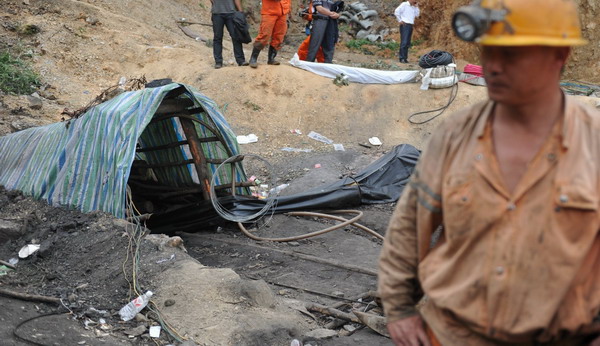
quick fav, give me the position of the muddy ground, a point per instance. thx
(82, 255)
(218, 287)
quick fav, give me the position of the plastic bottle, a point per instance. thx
(129, 311)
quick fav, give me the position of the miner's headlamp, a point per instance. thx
(471, 22)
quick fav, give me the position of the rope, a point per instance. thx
(475, 70)
(435, 58)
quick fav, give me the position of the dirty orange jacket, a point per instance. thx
(276, 7)
(515, 267)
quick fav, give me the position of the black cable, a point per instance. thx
(435, 58)
(16, 335)
(453, 93)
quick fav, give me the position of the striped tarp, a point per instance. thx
(85, 162)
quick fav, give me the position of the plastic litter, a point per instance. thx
(319, 137)
(251, 138)
(129, 311)
(296, 131)
(296, 150)
(4, 270)
(317, 165)
(296, 342)
(339, 147)
(278, 189)
(13, 261)
(375, 141)
(155, 331)
(27, 250)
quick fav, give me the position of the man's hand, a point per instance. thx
(408, 331)
(401, 23)
(334, 15)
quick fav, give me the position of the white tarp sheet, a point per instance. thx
(355, 74)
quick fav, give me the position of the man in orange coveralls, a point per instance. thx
(497, 234)
(273, 26)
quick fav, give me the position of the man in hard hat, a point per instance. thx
(273, 26)
(496, 237)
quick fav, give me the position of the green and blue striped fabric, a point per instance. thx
(85, 162)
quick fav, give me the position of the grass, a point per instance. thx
(16, 76)
(367, 47)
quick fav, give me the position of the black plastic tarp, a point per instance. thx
(381, 182)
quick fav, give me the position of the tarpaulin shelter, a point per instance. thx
(163, 140)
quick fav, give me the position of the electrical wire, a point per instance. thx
(453, 93)
(226, 214)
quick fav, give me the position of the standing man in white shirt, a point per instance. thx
(406, 14)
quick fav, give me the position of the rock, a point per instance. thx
(169, 302)
(35, 102)
(321, 334)
(598, 104)
(10, 230)
(294, 243)
(338, 293)
(140, 318)
(45, 248)
(349, 327)
(137, 331)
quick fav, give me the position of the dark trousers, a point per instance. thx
(405, 37)
(322, 35)
(220, 20)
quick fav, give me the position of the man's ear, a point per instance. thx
(562, 54)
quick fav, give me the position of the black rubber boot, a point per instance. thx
(254, 57)
(272, 55)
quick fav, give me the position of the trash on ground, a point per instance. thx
(296, 131)
(339, 147)
(251, 138)
(13, 261)
(4, 270)
(375, 141)
(155, 331)
(28, 250)
(317, 165)
(319, 137)
(341, 80)
(278, 188)
(166, 259)
(296, 150)
(129, 311)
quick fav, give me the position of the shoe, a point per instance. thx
(254, 57)
(218, 65)
(404, 61)
(272, 54)
(245, 63)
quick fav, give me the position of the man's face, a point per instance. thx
(516, 75)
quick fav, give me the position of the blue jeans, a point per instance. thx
(220, 20)
(405, 37)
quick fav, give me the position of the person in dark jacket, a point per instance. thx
(223, 16)
(324, 29)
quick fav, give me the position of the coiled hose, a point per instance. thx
(435, 58)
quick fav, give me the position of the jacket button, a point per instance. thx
(563, 198)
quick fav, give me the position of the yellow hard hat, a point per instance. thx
(521, 23)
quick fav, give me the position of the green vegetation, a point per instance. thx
(367, 47)
(16, 75)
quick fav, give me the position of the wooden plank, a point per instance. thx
(199, 159)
